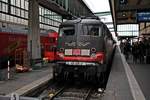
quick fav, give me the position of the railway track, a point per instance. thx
(70, 92)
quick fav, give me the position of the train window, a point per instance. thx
(92, 30)
(67, 31)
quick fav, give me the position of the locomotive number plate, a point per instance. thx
(80, 63)
(74, 63)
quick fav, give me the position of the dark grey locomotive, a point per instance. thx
(85, 47)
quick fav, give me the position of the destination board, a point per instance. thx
(143, 16)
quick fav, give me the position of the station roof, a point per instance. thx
(51, 5)
(125, 11)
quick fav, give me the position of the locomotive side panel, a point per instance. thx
(108, 44)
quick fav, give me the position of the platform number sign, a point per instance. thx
(122, 2)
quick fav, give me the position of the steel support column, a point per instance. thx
(34, 31)
(66, 4)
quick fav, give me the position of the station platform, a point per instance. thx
(22, 82)
(142, 74)
(126, 81)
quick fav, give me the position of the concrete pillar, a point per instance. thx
(34, 47)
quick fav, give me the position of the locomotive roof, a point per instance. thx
(83, 21)
(70, 22)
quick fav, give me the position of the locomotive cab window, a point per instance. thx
(67, 31)
(91, 30)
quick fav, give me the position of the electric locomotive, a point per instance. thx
(84, 49)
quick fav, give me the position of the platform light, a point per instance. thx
(123, 2)
(124, 15)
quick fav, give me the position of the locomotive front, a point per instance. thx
(80, 50)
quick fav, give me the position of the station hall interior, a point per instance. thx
(33, 49)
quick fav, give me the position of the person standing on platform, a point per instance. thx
(127, 50)
(148, 52)
(141, 51)
(135, 51)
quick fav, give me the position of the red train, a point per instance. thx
(12, 41)
(50, 46)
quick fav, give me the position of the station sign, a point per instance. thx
(143, 16)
